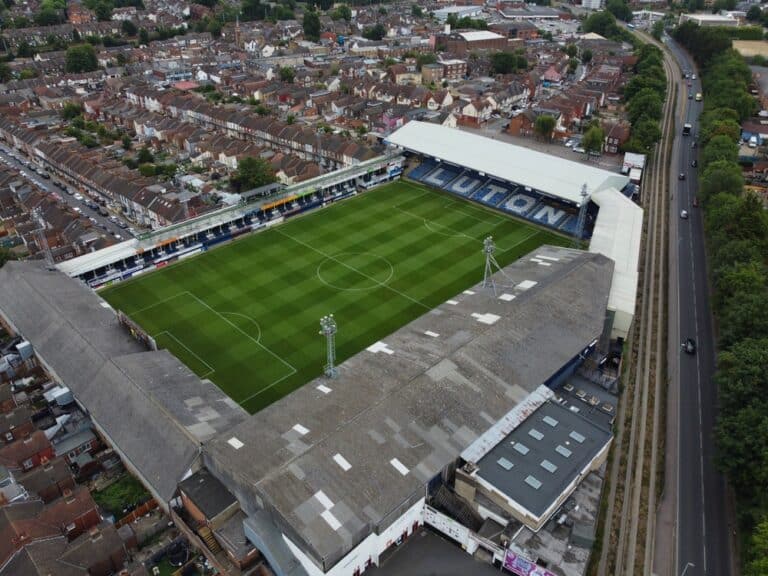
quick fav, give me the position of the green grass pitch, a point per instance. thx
(246, 315)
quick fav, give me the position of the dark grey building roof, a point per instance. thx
(339, 459)
(152, 408)
(535, 463)
(207, 493)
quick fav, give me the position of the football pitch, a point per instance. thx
(246, 315)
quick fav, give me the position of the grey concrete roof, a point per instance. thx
(338, 459)
(152, 408)
(549, 449)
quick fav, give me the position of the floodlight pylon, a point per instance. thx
(490, 263)
(328, 329)
(581, 222)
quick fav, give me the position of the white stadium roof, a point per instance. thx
(553, 176)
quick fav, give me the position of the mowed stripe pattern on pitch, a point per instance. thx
(246, 314)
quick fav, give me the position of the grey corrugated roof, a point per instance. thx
(542, 460)
(152, 408)
(422, 404)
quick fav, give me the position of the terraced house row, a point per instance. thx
(332, 151)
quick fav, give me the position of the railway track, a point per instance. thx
(629, 523)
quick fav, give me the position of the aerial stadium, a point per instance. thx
(465, 300)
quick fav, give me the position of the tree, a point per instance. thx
(252, 10)
(508, 62)
(342, 12)
(573, 64)
(129, 28)
(253, 173)
(416, 11)
(571, 50)
(311, 26)
(103, 11)
(646, 133)
(324, 4)
(720, 148)
(645, 104)
(27, 74)
(145, 156)
(586, 56)
(721, 176)
(5, 72)
(287, 74)
(81, 58)
(147, 170)
(758, 560)
(658, 29)
(6, 256)
(71, 110)
(376, 32)
(755, 13)
(143, 36)
(126, 142)
(544, 125)
(214, 28)
(620, 9)
(593, 139)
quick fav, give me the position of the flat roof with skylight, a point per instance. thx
(537, 462)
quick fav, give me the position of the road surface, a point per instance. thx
(694, 490)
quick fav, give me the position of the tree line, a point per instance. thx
(644, 97)
(736, 229)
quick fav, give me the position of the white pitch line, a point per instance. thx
(352, 268)
(168, 333)
(251, 338)
(158, 303)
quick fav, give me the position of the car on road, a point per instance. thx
(693, 77)
(684, 214)
(79, 197)
(695, 202)
(694, 163)
(690, 95)
(689, 346)
(77, 209)
(122, 225)
(681, 176)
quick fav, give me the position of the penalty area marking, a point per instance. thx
(292, 369)
(168, 333)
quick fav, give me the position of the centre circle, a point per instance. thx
(355, 271)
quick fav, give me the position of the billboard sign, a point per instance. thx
(522, 566)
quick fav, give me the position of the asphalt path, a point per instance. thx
(17, 161)
(703, 533)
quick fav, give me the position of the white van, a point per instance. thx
(753, 142)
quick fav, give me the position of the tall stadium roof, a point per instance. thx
(552, 176)
(151, 407)
(618, 234)
(339, 459)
